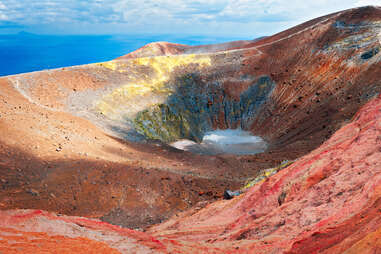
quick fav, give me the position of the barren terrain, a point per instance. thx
(94, 141)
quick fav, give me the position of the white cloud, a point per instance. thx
(137, 11)
(172, 16)
(3, 16)
(368, 2)
(236, 11)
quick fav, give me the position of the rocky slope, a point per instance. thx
(36, 231)
(93, 140)
(328, 201)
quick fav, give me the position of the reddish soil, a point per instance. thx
(59, 162)
(328, 201)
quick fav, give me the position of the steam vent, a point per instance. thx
(135, 155)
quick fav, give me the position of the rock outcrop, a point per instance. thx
(36, 231)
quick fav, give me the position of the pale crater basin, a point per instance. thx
(229, 141)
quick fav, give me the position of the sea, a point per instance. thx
(26, 52)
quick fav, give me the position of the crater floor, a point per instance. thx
(228, 141)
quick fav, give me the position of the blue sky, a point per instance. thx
(248, 18)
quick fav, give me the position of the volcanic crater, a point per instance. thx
(290, 121)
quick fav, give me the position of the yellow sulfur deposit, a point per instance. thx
(143, 93)
(265, 174)
(109, 65)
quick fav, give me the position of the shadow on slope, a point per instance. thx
(122, 194)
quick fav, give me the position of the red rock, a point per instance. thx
(26, 231)
(332, 203)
